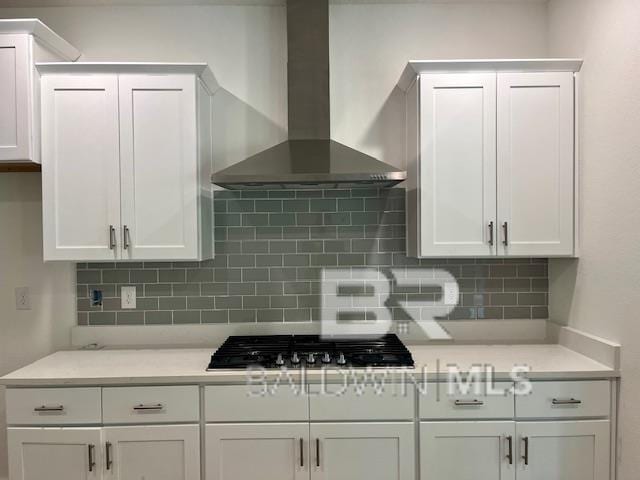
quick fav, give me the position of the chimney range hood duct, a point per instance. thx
(309, 158)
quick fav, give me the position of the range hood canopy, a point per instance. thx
(309, 159)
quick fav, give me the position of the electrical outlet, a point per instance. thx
(128, 297)
(23, 299)
(451, 293)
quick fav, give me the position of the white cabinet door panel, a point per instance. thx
(15, 77)
(457, 164)
(467, 450)
(362, 451)
(268, 451)
(563, 450)
(80, 167)
(158, 135)
(536, 164)
(155, 452)
(55, 453)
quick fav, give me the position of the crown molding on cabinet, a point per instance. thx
(200, 69)
(416, 67)
(44, 34)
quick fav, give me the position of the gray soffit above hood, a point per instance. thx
(309, 159)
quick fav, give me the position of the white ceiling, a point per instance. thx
(58, 3)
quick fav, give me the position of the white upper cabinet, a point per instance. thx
(457, 170)
(490, 157)
(22, 43)
(536, 163)
(80, 175)
(126, 162)
(159, 166)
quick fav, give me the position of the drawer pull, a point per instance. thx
(109, 462)
(92, 460)
(525, 457)
(149, 408)
(318, 452)
(301, 452)
(468, 403)
(510, 449)
(566, 401)
(45, 409)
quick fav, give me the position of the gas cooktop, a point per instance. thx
(310, 351)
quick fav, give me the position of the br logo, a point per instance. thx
(371, 301)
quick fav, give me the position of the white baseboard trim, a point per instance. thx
(461, 331)
(597, 348)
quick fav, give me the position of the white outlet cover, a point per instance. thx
(23, 299)
(128, 297)
(451, 293)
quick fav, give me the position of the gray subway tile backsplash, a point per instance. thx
(271, 250)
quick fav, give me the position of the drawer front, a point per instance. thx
(53, 406)
(488, 401)
(150, 404)
(565, 400)
(338, 402)
(245, 403)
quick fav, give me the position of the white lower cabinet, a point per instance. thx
(577, 450)
(55, 453)
(467, 450)
(157, 452)
(363, 451)
(268, 451)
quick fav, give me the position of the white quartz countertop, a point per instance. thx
(188, 365)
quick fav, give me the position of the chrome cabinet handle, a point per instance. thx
(317, 452)
(112, 237)
(301, 452)
(109, 462)
(525, 457)
(505, 230)
(468, 403)
(92, 461)
(491, 233)
(566, 401)
(44, 408)
(148, 407)
(126, 239)
(510, 449)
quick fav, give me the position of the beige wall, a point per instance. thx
(600, 293)
(28, 335)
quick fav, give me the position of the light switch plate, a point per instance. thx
(128, 297)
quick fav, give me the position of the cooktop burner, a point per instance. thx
(310, 351)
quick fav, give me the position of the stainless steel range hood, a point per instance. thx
(309, 159)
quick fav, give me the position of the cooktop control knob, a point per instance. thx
(311, 358)
(295, 359)
(341, 360)
(279, 360)
(326, 358)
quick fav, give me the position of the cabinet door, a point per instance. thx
(268, 451)
(457, 167)
(536, 164)
(159, 167)
(80, 167)
(15, 64)
(467, 450)
(362, 451)
(563, 450)
(155, 452)
(54, 453)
